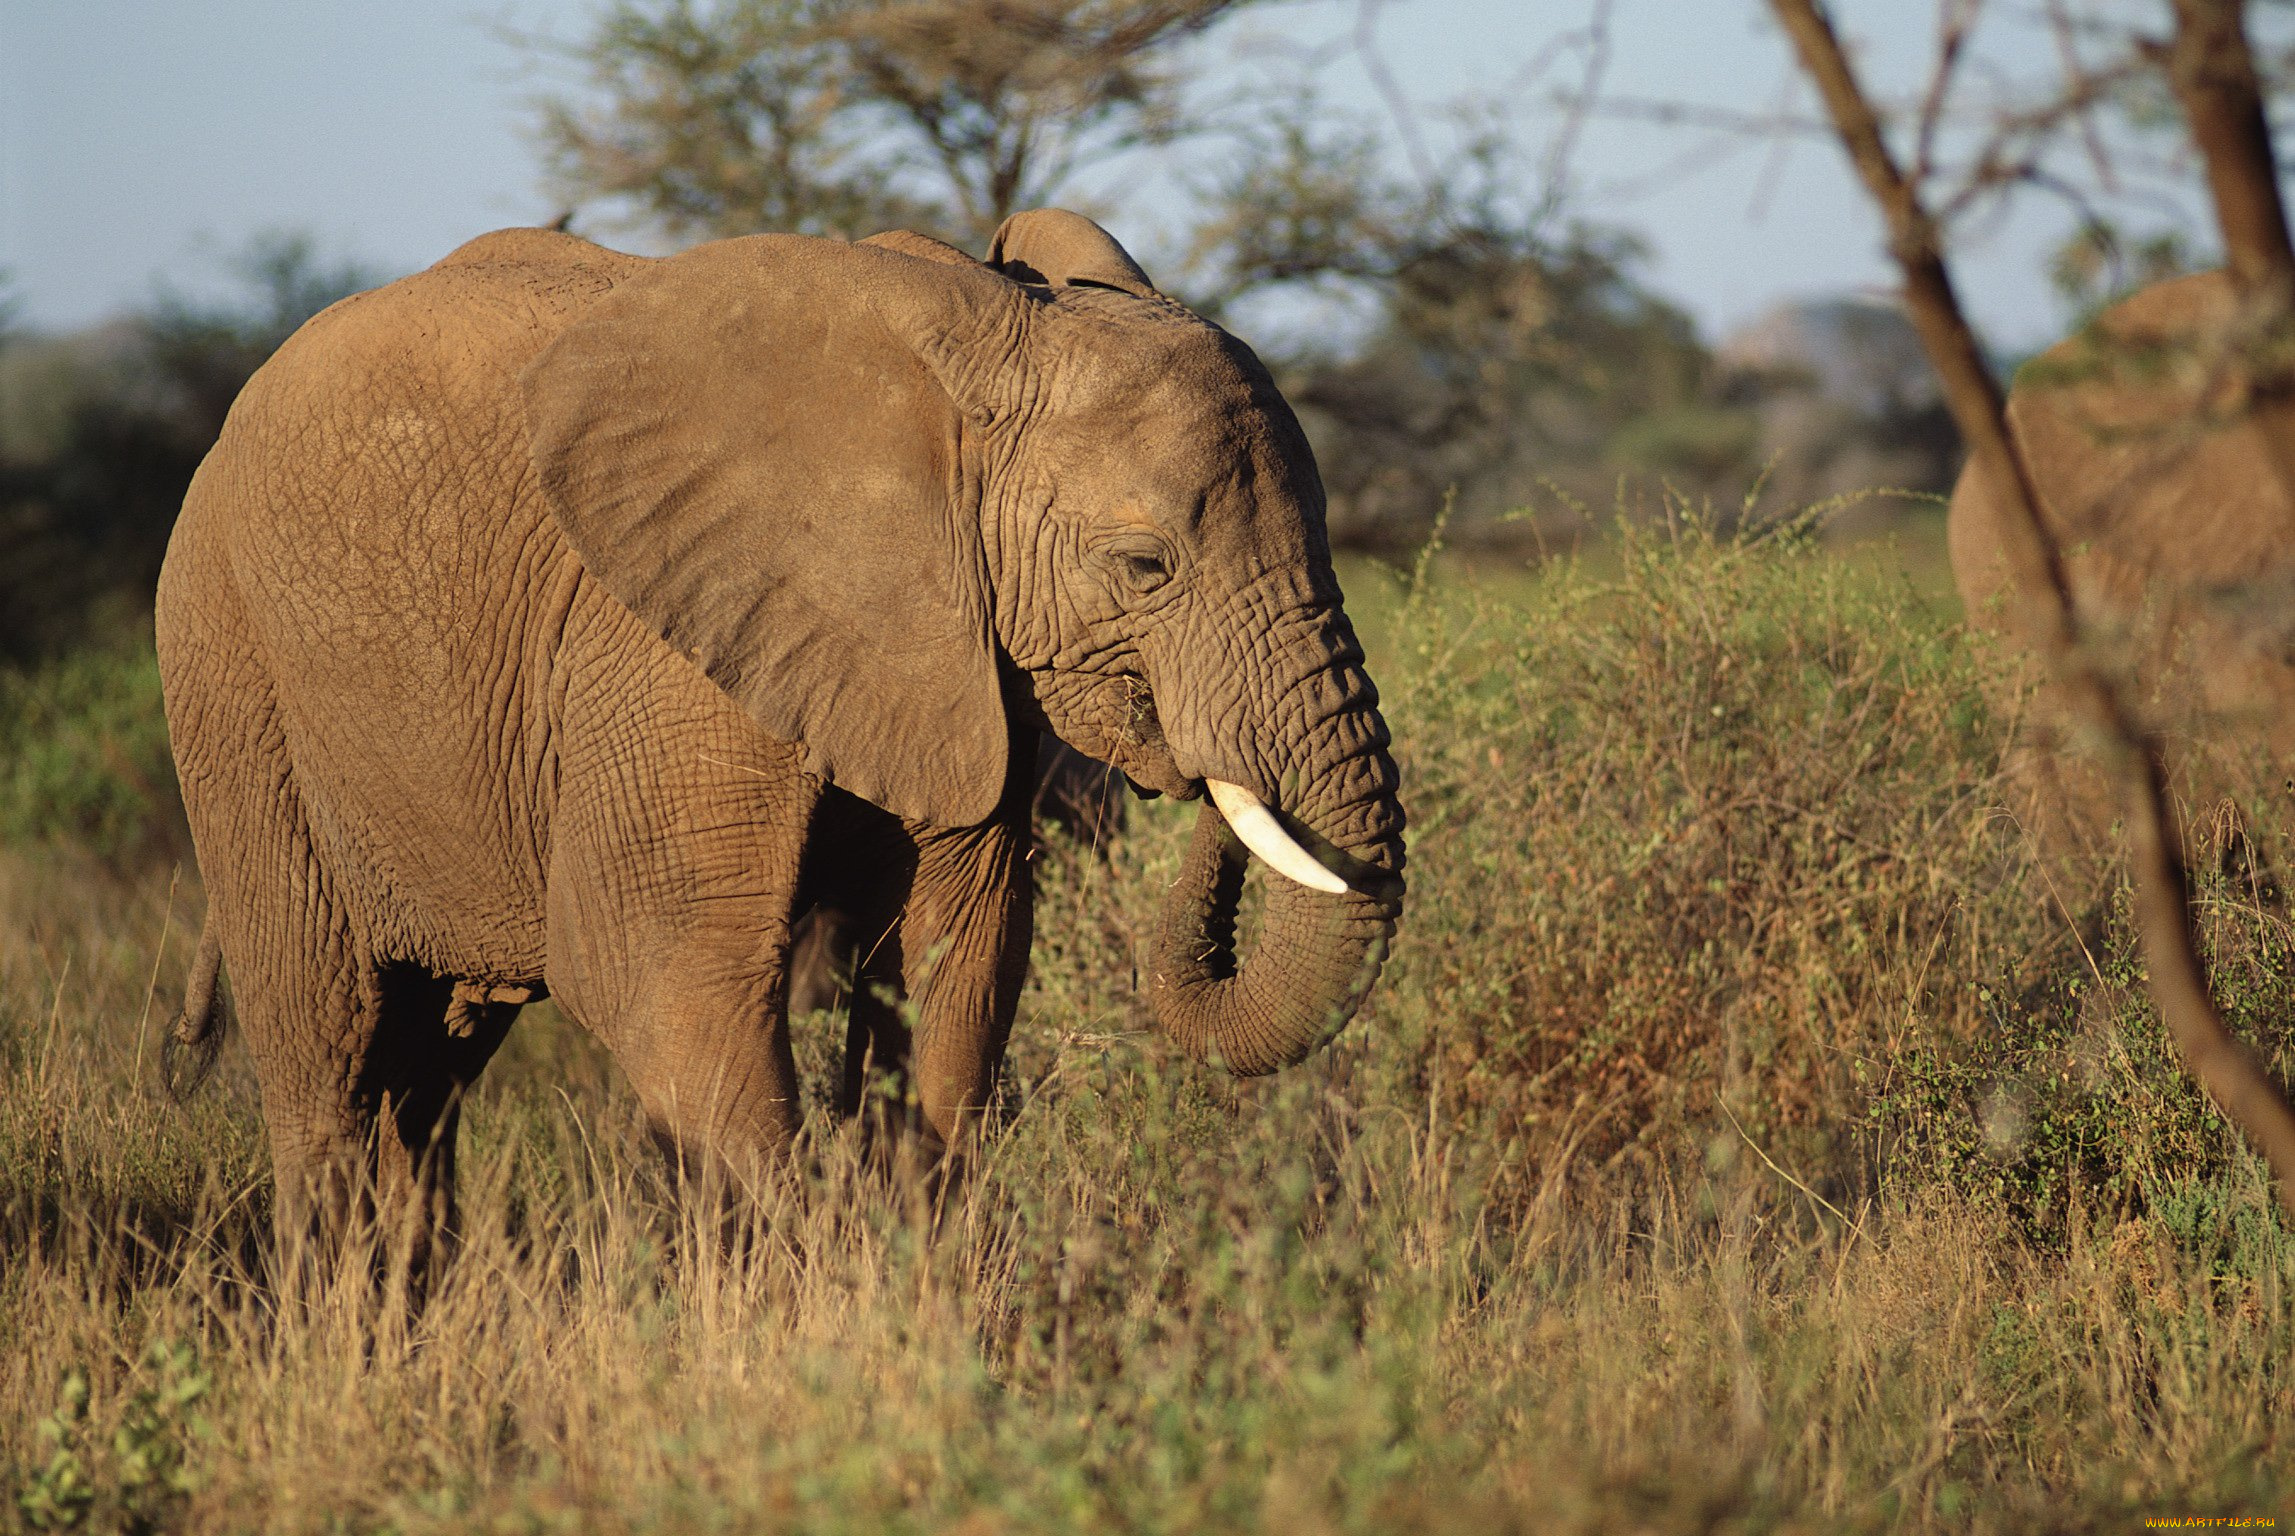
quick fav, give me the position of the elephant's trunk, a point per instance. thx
(1318, 953)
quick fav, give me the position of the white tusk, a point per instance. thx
(1264, 835)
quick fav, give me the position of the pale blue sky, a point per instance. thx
(140, 138)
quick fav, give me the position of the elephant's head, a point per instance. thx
(892, 499)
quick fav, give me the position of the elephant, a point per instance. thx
(2176, 528)
(562, 622)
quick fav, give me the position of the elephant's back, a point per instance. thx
(405, 394)
(2153, 477)
(448, 339)
(471, 318)
(371, 514)
(372, 488)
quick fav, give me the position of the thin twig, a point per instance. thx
(1557, 172)
(2068, 53)
(1835, 1211)
(1956, 21)
(1373, 59)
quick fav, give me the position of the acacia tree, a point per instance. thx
(1507, 348)
(2212, 74)
(842, 117)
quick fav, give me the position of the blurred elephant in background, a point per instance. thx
(2176, 527)
(556, 620)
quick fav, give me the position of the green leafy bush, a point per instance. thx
(1697, 828)
(135, 1482)
(84, 755)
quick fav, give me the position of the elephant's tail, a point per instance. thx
(187, 1053)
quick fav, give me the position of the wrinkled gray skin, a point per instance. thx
(559, 620)
(2176, 530)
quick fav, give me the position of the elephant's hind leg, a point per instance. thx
(363, 1083)
(308, 1006)
(306, 999)
(843, 965)
(359, 1074)
(859, 865)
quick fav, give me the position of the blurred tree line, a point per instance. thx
(100, 432)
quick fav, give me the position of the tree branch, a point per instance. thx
(2213, 74)
(2214, 78)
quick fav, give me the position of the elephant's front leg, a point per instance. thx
(675, 852)
(964, 951)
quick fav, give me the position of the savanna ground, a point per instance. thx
(1752, 1131)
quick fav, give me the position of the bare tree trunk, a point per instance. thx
(2213, 73)
(2214, 77)
(2044, 611)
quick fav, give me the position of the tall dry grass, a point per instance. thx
(1739, 1140)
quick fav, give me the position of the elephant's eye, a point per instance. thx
(1138, 568)
(1146, 571)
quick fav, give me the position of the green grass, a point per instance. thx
(1740, 1139)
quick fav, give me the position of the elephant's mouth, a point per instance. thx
(1134, 742)
(1137, 746)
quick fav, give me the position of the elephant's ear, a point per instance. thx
(1065, 250)
(752, 447)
